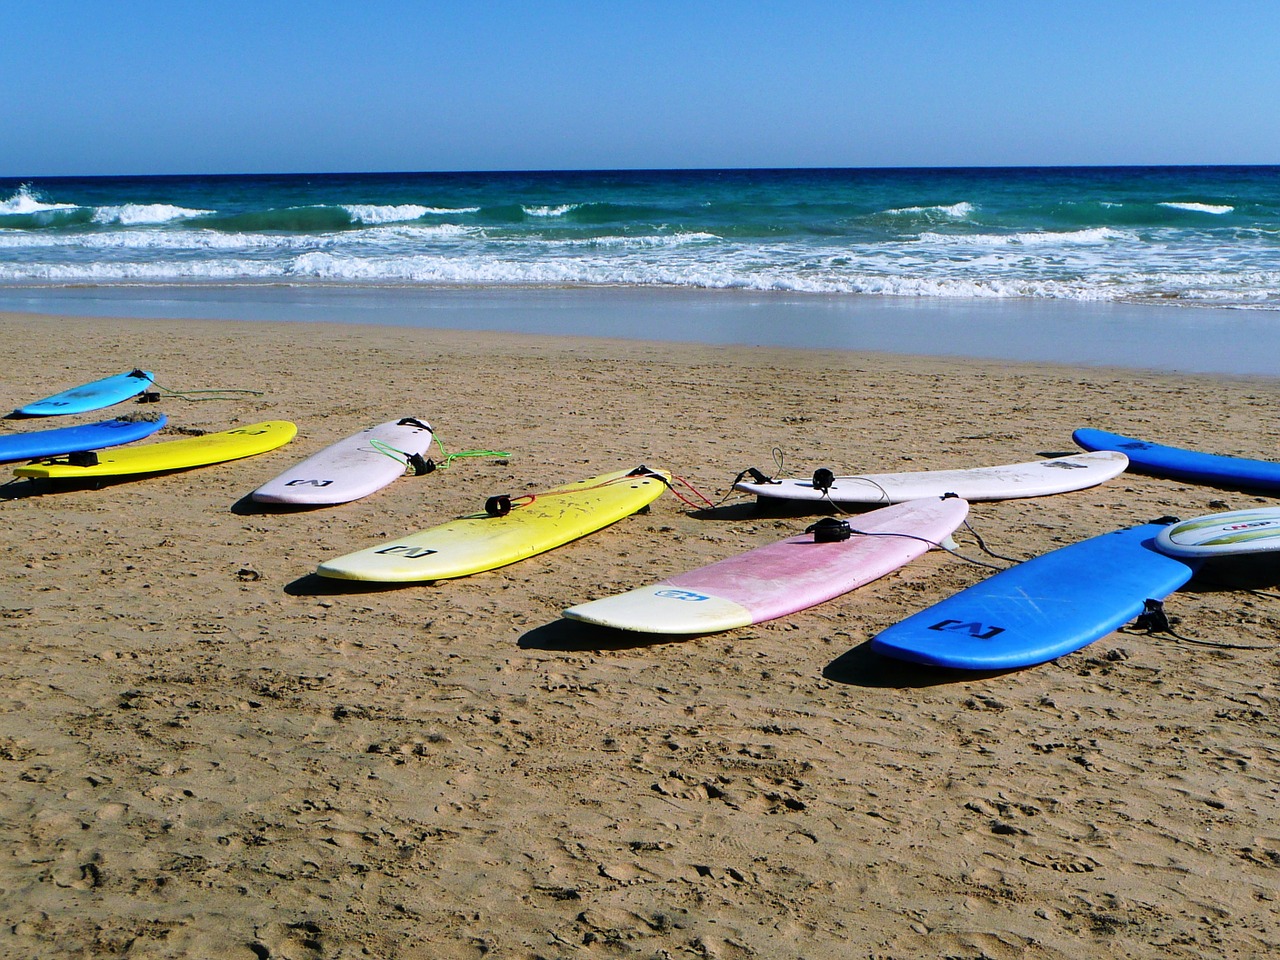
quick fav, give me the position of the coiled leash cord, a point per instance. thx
(418, 464)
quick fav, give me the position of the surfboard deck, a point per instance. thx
(1043, 608)
(483, 541)
(1038, 478)
(1233, 533)
(90, 436)
(246, 441)
(352, 468)
(779, 578)
(1178, 463)
(90, 396)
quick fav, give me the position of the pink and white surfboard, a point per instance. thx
(783, 577)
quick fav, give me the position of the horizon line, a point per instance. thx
(945, 168)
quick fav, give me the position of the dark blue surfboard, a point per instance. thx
(91, 396)
(1041, 609)
(89, 436)
(1179, 464)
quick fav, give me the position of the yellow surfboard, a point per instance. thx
(181, 454)
(506, 532)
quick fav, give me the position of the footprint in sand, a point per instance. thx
(627, 873)
(1061, 864)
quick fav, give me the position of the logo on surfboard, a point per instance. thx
(974, 629)
(680, 595)
(412, 553)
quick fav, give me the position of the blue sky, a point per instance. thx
(139, 86)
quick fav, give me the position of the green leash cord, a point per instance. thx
(422, 466)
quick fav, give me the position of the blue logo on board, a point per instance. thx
(973, 629)
(680, 595)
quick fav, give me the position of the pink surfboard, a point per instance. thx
(783, 577)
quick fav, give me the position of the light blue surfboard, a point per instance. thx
(1177, 463)
(1041, 609)
(89, 436)
(91, 396)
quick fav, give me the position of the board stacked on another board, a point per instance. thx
(90, 436)
(246, 441)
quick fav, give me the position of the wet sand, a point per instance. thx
(210, 752)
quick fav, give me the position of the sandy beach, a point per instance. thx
(210, 752)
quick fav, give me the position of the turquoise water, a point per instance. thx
(1164, 235)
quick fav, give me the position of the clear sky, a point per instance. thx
(166, 86)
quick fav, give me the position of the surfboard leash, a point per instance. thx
(193, 396)
(502, 504)
(982, 544)
(1153, 620)
(448, 458)
(706, 501)
(757, 476)
(824, 479)
(423, 465)
(816, 531)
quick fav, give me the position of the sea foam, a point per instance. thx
(1214, 208)
(1116, 235)
(557, 211)
(25, 200)
(375, 214)
(955, 211)
(1089, 235)
(131, 214)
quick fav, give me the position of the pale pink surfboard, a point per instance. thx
(781, 578)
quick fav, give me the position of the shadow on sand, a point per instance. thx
(1256, 572)
(862, 667)
(314, 585)
(574, 636)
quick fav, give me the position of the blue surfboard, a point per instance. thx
(89, 436)
(1041, 609)
(1176, 463)
(90, 396)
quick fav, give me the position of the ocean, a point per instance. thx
(1176, 237)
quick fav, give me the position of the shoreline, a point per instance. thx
(209, 753)
(1175, 339)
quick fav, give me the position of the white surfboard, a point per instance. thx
(783, 577)
(352, 468)
(1223, 534)
(1012, 481)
